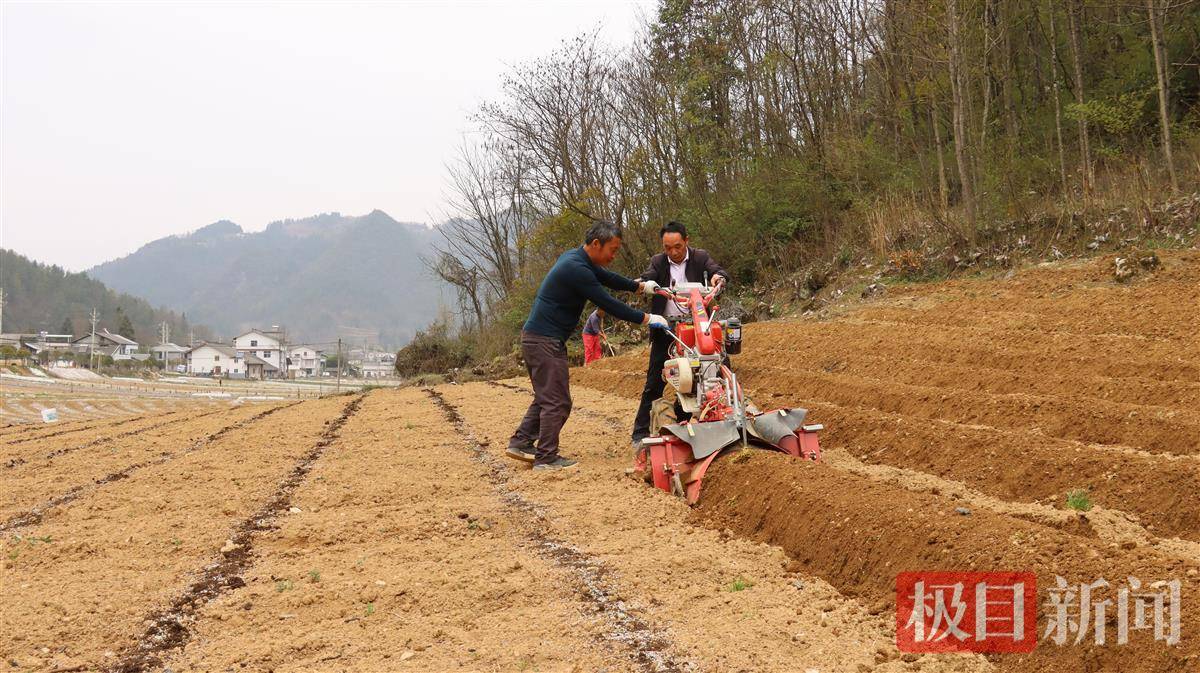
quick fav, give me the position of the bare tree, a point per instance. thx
(962, 153)
(1073, 9)
(489, 215)
(465, 280)
(1155, 14)
(1058, 132)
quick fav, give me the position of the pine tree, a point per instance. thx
(67, 327)
(124, 326)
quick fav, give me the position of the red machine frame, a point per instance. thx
(677, 458)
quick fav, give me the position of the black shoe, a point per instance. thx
(559, 463)
(520, 453)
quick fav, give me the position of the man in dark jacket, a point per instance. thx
(577, 277)
(677, 263)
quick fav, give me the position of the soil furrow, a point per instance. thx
(1156, 489)
(80, 582)
(648, 646)
(36, 514)
(711, 588)
(93, 425)
(858, 533)
(1023, 467)
(975, 370)
(420, 567)
(1139, 499)
(22, 430)
(1166, 432)
(168, 628)
(106, 439)
(955, 313)
(967, 344)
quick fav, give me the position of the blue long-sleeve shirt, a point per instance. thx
(566, 289)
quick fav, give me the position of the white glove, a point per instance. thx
(655, 320)
(649, 287)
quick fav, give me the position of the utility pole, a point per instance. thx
(283, 354)
(164, 333)
(92, 345)
(1, 310)
(339, 360)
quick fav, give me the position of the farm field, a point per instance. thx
(385, 530)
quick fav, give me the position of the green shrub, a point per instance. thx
(432, 351)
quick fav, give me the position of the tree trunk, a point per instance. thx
(985, 77)
(1161, 74)
(935, 123)
(961, 151)
(1062, 156)
(1006, 82)
(1077, 56)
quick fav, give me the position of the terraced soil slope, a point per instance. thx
(958, 417)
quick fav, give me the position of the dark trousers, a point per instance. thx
(546, 360)
(660, 346)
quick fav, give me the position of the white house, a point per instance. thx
(377, 365)
(305, 361)
(215, 360)
(265, 345)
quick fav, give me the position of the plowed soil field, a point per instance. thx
(386, 531)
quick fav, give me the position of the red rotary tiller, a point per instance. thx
(677, 457)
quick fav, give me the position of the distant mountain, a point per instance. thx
(40, 297)
(320, 277)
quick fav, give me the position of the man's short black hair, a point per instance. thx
(673, 227)
(603, 231)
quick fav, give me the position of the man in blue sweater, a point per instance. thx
(577, 277)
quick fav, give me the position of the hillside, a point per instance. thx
(42, 297)
(313, 275)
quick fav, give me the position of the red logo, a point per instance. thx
(940, 611)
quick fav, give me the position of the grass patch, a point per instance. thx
(740, 584)
(1079, 500)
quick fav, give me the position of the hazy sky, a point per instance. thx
(125, 122)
